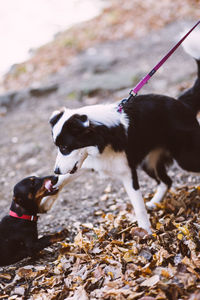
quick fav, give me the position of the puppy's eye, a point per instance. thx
(64, 150)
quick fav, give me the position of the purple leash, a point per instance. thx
(138, 87)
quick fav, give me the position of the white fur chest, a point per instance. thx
(109, 162)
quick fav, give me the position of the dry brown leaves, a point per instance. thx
(117, 260)
(122, 19)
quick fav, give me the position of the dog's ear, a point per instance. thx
(55, 117)
(82, 120)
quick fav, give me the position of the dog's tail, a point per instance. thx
(191, 97)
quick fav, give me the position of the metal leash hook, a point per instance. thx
(135, 90)
(126, 100)
(121, 104)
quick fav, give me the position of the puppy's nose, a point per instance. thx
(57, 171)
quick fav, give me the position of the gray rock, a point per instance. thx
(94, 61)
(21, 96)
(7, 99)
(43, 90)
(108, 81)
(92, 83)
(13, 98)
(3, 111)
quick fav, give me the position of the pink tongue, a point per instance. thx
(48, 185)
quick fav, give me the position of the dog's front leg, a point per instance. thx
(131, 186)
(34, 246)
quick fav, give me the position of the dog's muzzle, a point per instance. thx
(57, 171)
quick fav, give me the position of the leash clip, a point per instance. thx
(121, 104)
(132, 93)
(126, 100)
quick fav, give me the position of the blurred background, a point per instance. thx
(26, 26)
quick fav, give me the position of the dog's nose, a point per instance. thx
(57, 171)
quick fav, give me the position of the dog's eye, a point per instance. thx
(64, 150)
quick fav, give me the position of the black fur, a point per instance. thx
(56, 118)
(19, 237)
(74, 136)
(160, 122)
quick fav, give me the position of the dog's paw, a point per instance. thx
(145, 226)
(43, 210)
(140, 232)
(59, 236)
(150, 205)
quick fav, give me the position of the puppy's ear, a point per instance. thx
(82, 120)
(55, 117)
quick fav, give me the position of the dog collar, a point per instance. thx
(24, 217)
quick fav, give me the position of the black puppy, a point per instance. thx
(18, 231)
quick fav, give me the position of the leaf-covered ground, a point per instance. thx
(114, 259)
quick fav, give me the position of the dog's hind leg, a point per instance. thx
(131, 186)
(154, 165)
(163, 186)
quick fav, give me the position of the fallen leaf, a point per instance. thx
(151, 281)
(80, 294)
(5, 276)
(140, 232)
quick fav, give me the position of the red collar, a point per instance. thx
(25, 217)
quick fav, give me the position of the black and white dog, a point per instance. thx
(152, 130)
